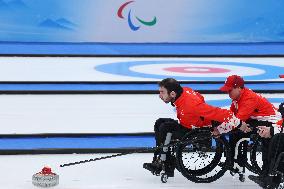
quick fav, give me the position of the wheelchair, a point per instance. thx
(193, 150)
(204, 165)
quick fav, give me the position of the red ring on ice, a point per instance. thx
(196, 69)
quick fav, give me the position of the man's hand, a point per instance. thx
(244, 127)
(264, 131)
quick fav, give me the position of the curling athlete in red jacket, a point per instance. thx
(253, 109)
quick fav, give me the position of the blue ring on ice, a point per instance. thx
(123, 68)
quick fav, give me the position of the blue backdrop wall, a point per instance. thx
(123, 21)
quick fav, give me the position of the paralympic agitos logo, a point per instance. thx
(131, 24)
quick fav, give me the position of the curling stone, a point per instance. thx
(45, 178)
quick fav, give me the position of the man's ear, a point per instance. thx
(173, 94)
(240, 89)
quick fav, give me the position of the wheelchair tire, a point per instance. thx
(211, 168)
(255, 157)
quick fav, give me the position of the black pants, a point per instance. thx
(167, 125)
(235, 136)
(163, 126)
(275, 147)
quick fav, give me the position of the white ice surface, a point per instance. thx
(83, 69)
(26, 114)
(123, 172)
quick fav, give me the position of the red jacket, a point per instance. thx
(254, 106)
(193, 111)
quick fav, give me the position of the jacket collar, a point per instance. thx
(179, 98)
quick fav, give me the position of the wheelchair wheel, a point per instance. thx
(254, 162)
(202, 165)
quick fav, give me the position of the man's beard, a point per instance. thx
(170, 99)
